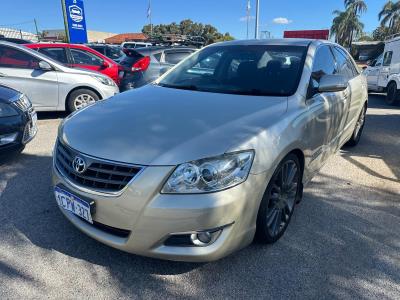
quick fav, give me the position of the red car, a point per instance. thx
(80, 56)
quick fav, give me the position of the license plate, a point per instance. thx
(73, 204)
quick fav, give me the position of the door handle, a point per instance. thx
(3, 75)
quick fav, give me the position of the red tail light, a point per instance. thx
(142, 64)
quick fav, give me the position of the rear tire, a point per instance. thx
(279, 200)
(356, 136)
(81, 98)
(392, 94)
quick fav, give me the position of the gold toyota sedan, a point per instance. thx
(214, 153)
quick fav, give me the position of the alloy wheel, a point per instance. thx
(83, 100)
(282, 198)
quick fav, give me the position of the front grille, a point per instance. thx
(23, 103)
(102, 176)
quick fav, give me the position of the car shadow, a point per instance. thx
(330, 246)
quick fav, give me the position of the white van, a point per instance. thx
(133, 45)
(383, 73)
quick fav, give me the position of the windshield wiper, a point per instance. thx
(190, 87)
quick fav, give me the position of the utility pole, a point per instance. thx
(248, 17)
(257, 18)
(37, 30)
(149, 17)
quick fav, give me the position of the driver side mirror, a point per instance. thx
(332, 83)
(45, 66)
(104, 65)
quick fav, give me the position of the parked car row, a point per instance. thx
(49, 84)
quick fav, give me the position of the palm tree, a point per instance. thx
(346, 24)
(390, 16)
(357, 6)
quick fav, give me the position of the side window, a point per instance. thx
(175, 57)
(157, 56)
(324, 64)
(57, 54)
(14, 58)
(342, 64)
(99, 49)
(82, 57)
(387, 58)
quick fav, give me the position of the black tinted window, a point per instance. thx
(387, 58)
(14, 58)
(99, 49)
(324, 64)
(175, 57)
(342, 64)
(85, 58)
(57, 54)
(157, 56)
(238, 69)
(350, 63)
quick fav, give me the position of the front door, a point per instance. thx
(20, 70)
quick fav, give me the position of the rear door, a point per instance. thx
(354, 94)
(19, 70)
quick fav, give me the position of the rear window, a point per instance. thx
(238, 69)
(131, 56)
(57, 54)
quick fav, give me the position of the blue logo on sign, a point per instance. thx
(76, 14)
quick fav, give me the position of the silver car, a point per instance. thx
(214, 153)
(50, 85)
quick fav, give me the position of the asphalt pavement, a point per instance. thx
(343, 241)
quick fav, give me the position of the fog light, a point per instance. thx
(204, 238)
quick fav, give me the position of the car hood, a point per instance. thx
(162, 126)
(8, 94)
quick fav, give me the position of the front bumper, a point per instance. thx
(108, 91)
(150, 218)
(22, 127)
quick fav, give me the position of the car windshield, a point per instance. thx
(262, 70)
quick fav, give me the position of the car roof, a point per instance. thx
(272, 42)
(158, 48)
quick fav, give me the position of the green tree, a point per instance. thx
(187, 27)
(390, 16)
(346, 25)
(381, 33)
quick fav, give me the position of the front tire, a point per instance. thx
(81, 98)
(392, 94)
(356, 136)
(279, 199)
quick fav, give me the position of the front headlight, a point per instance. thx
(210, 174)
(105, 80)
(6, 110)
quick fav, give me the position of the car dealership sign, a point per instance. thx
(74, 19)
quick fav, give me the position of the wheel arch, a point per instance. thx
(81, 88)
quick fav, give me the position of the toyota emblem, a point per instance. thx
(79, 165)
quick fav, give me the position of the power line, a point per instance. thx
(21, 23)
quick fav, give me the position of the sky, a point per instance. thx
(227, 15)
